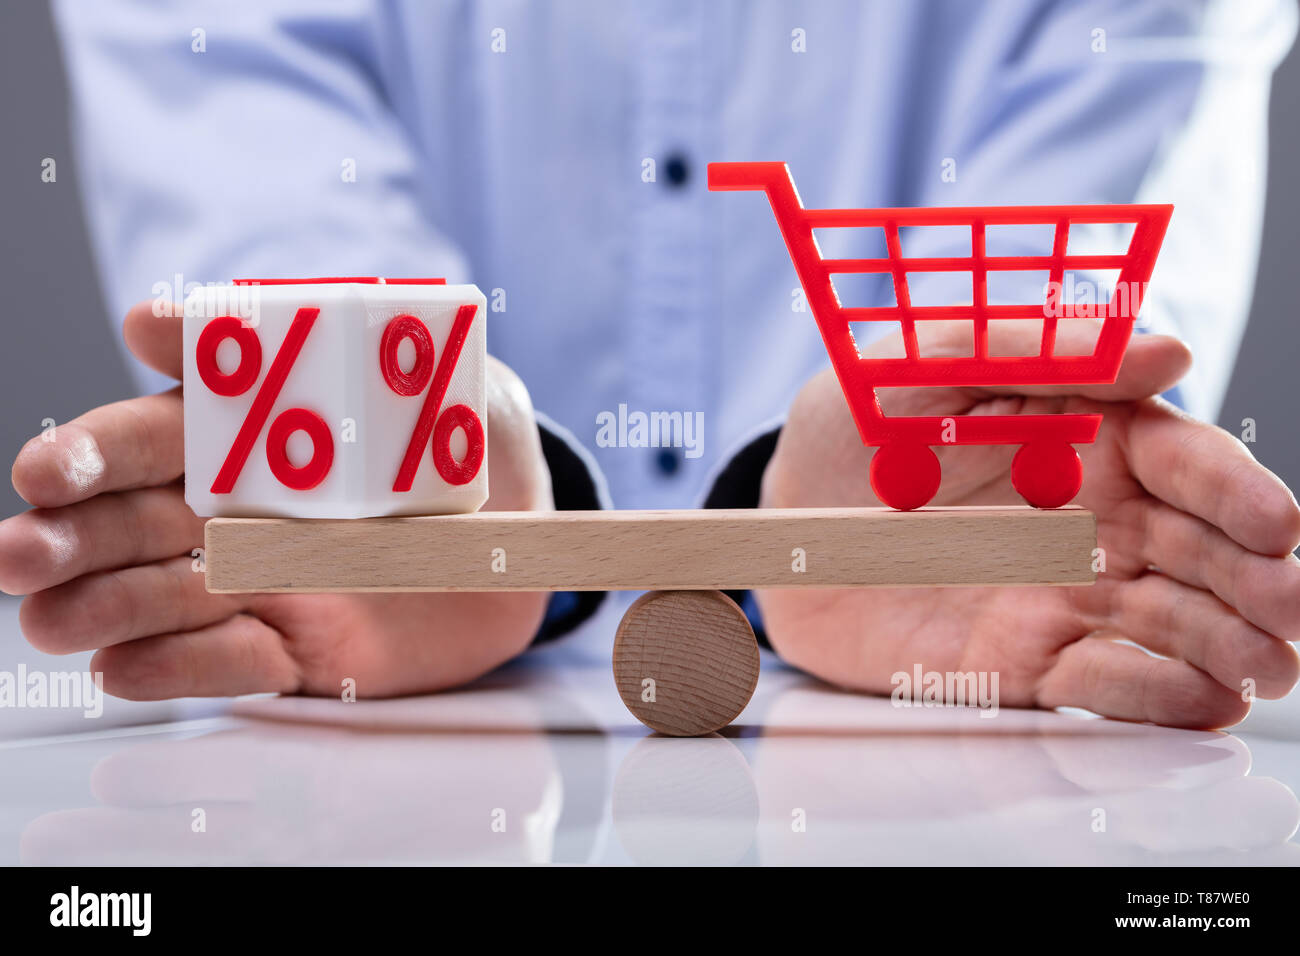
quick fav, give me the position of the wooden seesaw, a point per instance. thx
(685, 657)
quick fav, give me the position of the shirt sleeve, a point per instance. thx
(1098, 102)
(1111, 101)
(244, 140)
(739, 484)
(578, 485)
(259, 140)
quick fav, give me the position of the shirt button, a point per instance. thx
(668, 461)
(677, 170)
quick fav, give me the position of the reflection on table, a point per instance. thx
(528, 767)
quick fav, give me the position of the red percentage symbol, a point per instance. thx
(286, 423)
(430, 423)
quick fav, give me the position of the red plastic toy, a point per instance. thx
(905, 471)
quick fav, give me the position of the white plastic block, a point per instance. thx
(332, 442)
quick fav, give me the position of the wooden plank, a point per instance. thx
(645, 550)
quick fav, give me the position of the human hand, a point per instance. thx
(1197, 536)
(105, 560)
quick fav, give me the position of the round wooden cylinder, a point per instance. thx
(685, 662)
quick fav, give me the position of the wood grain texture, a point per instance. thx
(685, 662)
(661, 550)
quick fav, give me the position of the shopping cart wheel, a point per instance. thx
(1047, 473)
(905, 476)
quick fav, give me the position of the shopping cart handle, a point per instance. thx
(729, 176)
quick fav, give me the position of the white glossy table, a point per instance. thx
(545, 748)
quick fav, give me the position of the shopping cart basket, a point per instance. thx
(904, 470)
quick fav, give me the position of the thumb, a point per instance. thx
(154, 335)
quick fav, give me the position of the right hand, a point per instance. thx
(1198, 537)
(105, 560)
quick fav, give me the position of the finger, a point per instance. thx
(521, 479)
(1121, 681)
(1263, 589)
(130, 444)
(1152, 363)
(1205, 471)
(1138, 759)
(111, 607)
(50, 546)
(152, 331)
(1238, 814)
(213, 766)
(1192, 625)
(240, 655)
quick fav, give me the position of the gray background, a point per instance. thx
(58, 357)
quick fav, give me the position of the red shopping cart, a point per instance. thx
(905, 471)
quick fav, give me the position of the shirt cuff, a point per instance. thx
(737, 485)
(577, 485)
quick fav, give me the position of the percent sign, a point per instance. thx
(286, 423)
(431, 424)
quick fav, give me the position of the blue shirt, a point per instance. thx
(554, 154)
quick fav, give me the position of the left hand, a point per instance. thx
(105, 561)
(1197, 536)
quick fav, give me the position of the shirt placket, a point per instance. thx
(667, 344)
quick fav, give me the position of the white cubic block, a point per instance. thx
(335, 399)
